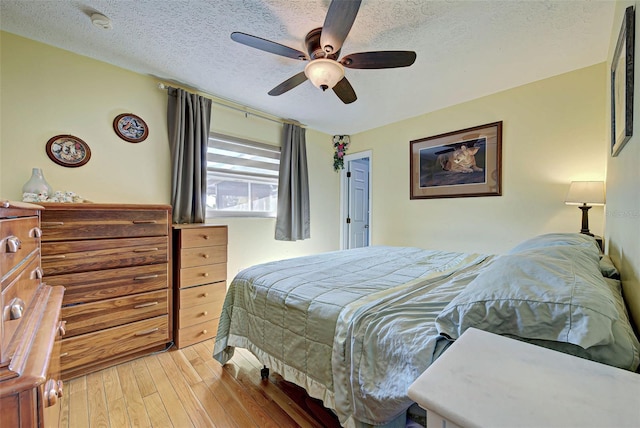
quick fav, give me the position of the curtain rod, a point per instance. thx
(162, 86)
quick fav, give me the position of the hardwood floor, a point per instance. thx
(188, 388)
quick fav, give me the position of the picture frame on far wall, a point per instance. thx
(622, 70)
(457, 164)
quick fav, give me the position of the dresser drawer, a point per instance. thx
(199, 256)
(189, 316)
(82, 256)
(199, 275)
(203, 237)
(212, 294)
(85, 318)
(197, 333)
(18, 290)
(87, 287)
(19, 237)
(106, 344)
(90, 223)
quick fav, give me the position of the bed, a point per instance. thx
(355, 328)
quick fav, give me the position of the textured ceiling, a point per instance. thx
(465, 49)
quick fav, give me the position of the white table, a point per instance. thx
(486, 380)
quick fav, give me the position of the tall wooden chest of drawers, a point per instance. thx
(200, 257)
(114, 261)
(30, 332)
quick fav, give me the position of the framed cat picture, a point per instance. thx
(462, 163)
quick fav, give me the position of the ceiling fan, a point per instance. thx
(323, 44)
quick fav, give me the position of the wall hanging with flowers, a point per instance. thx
(340, 144)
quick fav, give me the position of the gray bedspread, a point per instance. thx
(355, 328)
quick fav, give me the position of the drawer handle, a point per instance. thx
(36, 273)
(36, 232)
(140, 278)
(51, 223)
(205, 313)
(204, 295)
(14, 310)
(145, 305)
(144, 222)
(13, 244)
(143, 333)
(204, 331)
(64, 354)
(206, 274)
(206, 256)
(62, 329)
(51, 393)
(205, 236)
(142, 250)
(54, 257)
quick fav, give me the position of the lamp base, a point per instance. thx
(585, 219)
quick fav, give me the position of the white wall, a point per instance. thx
(623, 185)
(46, 91)
(553, 133)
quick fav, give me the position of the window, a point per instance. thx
(242, 177)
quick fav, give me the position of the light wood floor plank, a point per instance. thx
(214, 408)
(112, 387)
(188, 372)
(245, 368)
(135, 406)
(168, 395)
(196, 412)
(157, 412)
(97, 401)
(118, 416)
(78, 406)
(181, 389)
(143, 378)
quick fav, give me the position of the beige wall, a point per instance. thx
(47, 91)
(553, 133)
(623, 188)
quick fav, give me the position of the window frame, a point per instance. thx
(253, 147)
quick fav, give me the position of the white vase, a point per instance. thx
(37, 184)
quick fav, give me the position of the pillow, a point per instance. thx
(554, 294)
(554, 239)
(607, 267)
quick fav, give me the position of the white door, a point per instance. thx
(358, 213)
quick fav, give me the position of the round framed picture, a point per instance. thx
(130, 127)
(67, 150)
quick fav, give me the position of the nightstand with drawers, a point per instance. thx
(200, 274)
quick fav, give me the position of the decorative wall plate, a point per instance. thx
(130, 127)
(67, 150)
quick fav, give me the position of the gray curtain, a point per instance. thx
(188, 119)
(293, 222)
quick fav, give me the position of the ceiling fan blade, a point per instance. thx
(268, 46)
(344, 91)
(288, 84)
(337, 24)
(379, 59)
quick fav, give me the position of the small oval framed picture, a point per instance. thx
(67, 150)
(130, 127)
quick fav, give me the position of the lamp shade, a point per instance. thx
(324, 73)
(585, 192)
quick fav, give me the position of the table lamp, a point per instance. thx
(585, 194)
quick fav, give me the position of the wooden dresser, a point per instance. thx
(200, 257)
(30, 333)
(115, 262)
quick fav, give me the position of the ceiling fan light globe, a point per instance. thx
(324, 73)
